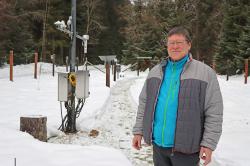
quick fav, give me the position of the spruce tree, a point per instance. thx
(244, 40)
(227, 50)
(19, 37)
(110, 39)
(148, 23)
(205, 29)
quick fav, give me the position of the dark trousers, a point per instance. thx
(165, 157)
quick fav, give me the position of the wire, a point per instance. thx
(62, 125)
(79, 107)
(78, 110)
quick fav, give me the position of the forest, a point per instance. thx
(220, 30)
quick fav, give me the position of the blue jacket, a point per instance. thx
(167, 103)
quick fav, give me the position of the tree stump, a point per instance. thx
(35, 126)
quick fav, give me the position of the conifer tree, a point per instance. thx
(228, 45)
(18, 36)
(111, 40)
(244, 40)
(205, 29)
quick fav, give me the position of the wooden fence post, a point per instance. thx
(107, 74)
(35, 71)
(114, 71)
(214, 65)
(246, 70)
(11, 59)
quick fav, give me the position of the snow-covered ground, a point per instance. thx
(27, 96)
(111, 112)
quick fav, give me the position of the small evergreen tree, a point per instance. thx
(205, 29)
(244, 40)
(227, 50)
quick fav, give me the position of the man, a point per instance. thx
(180, 107)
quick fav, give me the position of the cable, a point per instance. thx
(78, 110)
(62, 125)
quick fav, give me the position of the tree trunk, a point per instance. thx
(35, 126)
(43, 56)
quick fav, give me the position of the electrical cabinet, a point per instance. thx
(62, 86)
(82, 84)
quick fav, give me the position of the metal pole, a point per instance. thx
(77, 63)
(86, 64)
(71, 126)
(36, 59)
(138, 68)
(73, 40)
(53, 68)
(67, 61)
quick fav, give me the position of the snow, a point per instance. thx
(27, 96)
(111, 111)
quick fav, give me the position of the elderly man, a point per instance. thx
(180, 107)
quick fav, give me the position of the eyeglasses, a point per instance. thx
(178, 43)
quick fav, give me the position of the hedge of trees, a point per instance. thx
(220, 29)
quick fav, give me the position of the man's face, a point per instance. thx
(177, 46)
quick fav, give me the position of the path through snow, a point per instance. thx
(115, 126)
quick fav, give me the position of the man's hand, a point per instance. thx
(206, 154)
(136, 143)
